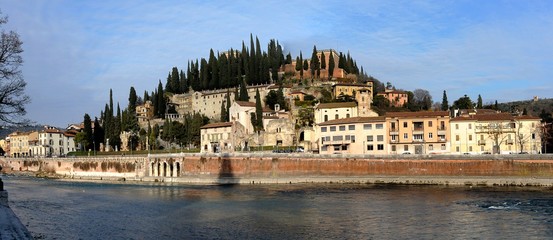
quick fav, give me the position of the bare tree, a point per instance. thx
(544, 131)
(497, 133)
(522, 137)
(12, 85)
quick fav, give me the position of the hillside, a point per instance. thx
(534, 108)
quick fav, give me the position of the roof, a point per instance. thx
(297, 92)
(217, 125)
(351, 84)
(353, 120)
(336, 105)
(494, 117)
(245, 104)
(418, 114)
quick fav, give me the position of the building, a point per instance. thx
(19, 144)
(144, 113)
(209, 102)
(397, 98)
(356, 135)
(53, 142)
(218, 137)
(498, 133)
(418, 132)
(331, 111)
(350, 89)
(324, 74)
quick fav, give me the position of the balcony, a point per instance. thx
(418, 130)
(481, 142)
(442, 140)
(442, 130)
(509, 141)
(394, 131)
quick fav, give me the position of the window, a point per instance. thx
(379, 126)
(326, 118)
(337, 148)
(351, 127)
(323, 129)
(352, 138)
(345, 147)
(457, 138)
(336, 116)
(457, 149)
(405, 136)
(380, 138)
(430, 135)
(470, 137)
(342, 128)
(430, 123)
(470, 148)
(417, 137)
(406, 148)
(333, 128)
(430, 147)
(393, 148)
(380, 147)
(370, 147)
(324, 148)
(369, 138)
(443, 146)
(533, 136)
(367, 126)
(347, 115)
(404, 124)
(337, 138)
(470, 126)
(456, 126)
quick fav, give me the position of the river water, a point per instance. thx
(54, 209)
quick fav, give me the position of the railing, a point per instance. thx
(481, 142)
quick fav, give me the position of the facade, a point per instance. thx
(498, 133)
(19, 144)
(357, 135)
(144, 113)
(332, 111)
(397, 98)
(53, 142)
(209, 102)
(350, 89)
(222, 137)
(418, 132)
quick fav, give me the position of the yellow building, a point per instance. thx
(499, 133)
(350, 89)
(19, 144)
(418, 132)
(331, 111)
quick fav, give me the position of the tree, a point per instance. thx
(479, 102)
(224, 113)
(315, 64)
(12, 84)
(463, 103)
(445, 104)
(98, 134)
(299, 65)
(258, 111)
(88, 137)
(244, 92)
(323, 60)
(422, 99)
(80, 138)
(330, 66)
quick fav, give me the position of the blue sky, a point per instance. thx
(75, 51)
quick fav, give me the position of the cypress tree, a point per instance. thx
(244, 92)
(258, 111)
(299, 65)
(314, 65)
(88, 132)
(236, 94)
(98, 134)
(323, 60)
(228, 105)
(160, 101)
(479, 102)
(175, 80)
(445, 104)
(330, 66)
(223, 117)
(183, 87)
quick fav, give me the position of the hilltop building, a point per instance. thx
(397, 98)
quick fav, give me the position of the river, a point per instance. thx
(56, 209)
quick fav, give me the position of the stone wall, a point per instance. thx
(278, 167)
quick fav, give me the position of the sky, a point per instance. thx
(76, 51)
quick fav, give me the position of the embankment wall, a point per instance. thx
(275, 168)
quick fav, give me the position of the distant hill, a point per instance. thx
(534, 108)
(5, 131)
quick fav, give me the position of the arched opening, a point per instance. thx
(152, 167)
(158, 169)
(170, 170)
(177, 169)
(302, 136)
(164, 169)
